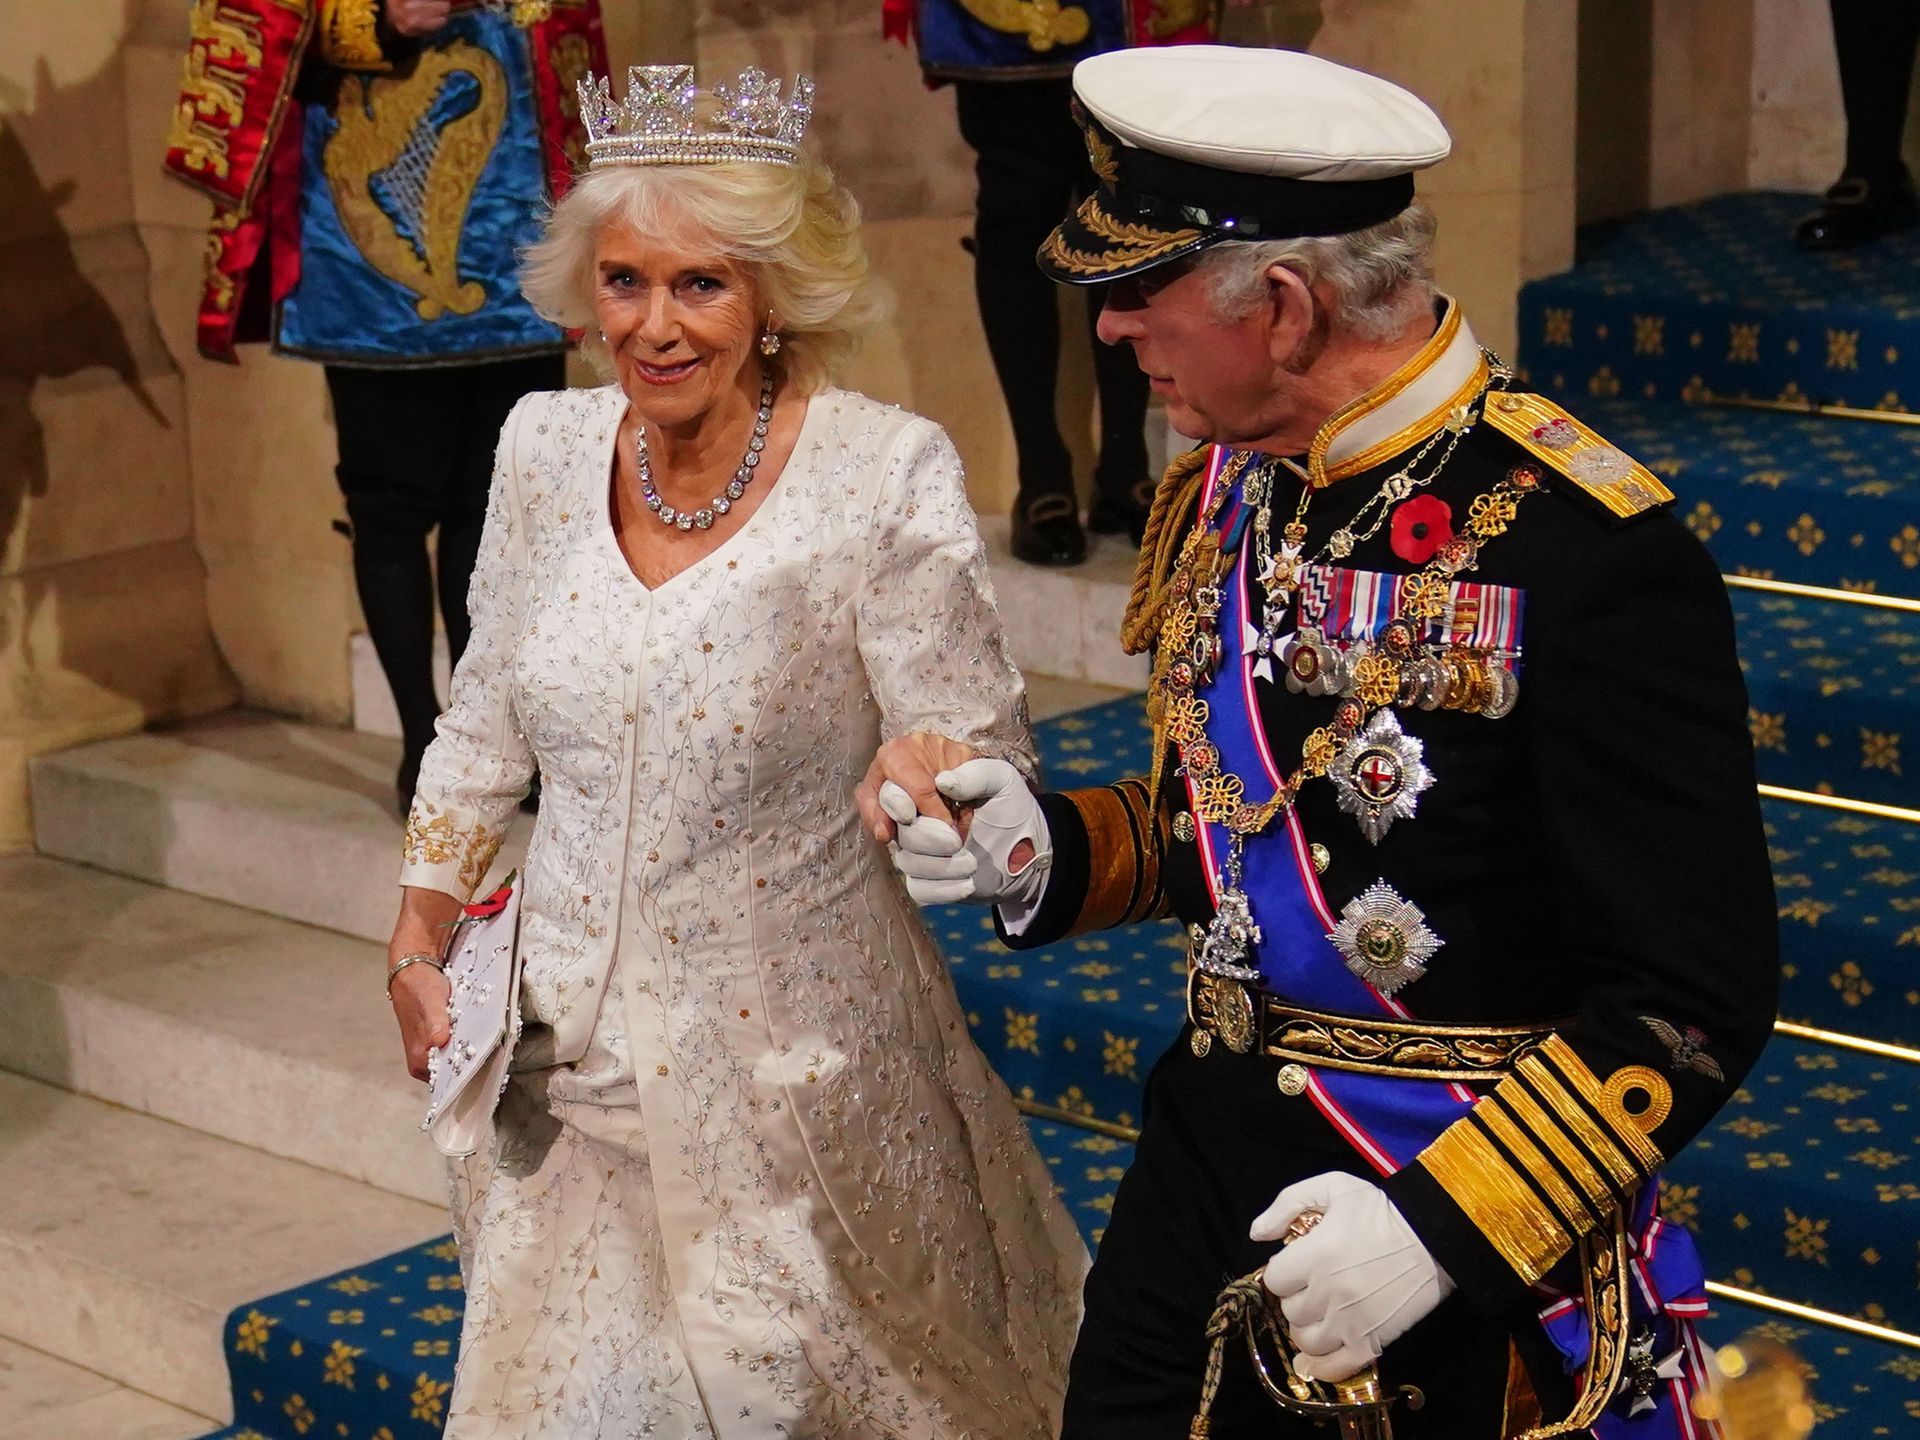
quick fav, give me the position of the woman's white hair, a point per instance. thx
(794, 229)
(1380, 278)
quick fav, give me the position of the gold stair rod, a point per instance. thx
(1810, 408)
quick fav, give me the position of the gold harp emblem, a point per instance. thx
(403, 166)
(1045, 23)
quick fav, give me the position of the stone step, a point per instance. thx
(373, 712)
(47, 1399)
(246, 1027)
(1066, 622)
(295, 820)
(126, 1240)
(272, 814)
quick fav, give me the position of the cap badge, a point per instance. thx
(1100, 154)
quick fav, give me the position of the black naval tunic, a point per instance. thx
(1594, 862)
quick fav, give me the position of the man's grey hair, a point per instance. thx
(1380, 278)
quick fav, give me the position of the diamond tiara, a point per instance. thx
(655, 123)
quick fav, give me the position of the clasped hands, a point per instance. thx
(965, 828)
(959, 826)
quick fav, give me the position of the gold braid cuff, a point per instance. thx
(350, 35)
(1126, 836)
(1552, 1153)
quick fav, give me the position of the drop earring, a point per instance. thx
(769, 341)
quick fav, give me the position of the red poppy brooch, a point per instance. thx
(496, 902)
(1420, 527)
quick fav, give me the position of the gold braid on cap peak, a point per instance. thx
(1147, 603)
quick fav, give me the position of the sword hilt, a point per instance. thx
(1361, 1388)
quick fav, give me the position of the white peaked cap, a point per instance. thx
(1261, 112)
(1194, 145)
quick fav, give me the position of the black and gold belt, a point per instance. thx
(1247, 1019)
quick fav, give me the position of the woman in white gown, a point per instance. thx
(751, 1177)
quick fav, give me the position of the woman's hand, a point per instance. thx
(420, 995)
(414, 18)
(911, 762)
(420, 992)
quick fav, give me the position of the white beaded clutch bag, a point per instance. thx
(467, 1074)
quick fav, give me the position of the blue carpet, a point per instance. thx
(1803, 1187)
(1813, 500)
(1077, 1025)
(1714, 295)
(1860, 1387)
(1835, 694)
(368, 1354)
(1849, 893)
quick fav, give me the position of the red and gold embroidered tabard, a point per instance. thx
(236, 129)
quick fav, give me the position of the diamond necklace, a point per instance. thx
(702, 519)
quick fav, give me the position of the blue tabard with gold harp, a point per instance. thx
(1015, 39)
(418, 189)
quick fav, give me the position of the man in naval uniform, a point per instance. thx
(1452, 784)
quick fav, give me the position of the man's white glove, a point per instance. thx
(940, 869)
(1354, 1283)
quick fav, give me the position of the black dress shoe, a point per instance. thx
(408, 780)
(1124, 514)
(1046, 531)
(1855, 212)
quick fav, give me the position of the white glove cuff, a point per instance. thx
(994, 844)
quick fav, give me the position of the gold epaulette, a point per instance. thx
(1603, 472)
(1172, 501)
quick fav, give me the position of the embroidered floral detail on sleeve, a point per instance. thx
(437, 841)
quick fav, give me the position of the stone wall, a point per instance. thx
(104, 611)
(1501, 74)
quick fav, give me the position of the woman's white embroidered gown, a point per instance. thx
(752, 1178)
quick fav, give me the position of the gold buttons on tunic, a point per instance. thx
(1321, 857)
(1292, 1079)
(1183, 829)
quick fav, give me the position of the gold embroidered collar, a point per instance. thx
(1403, 409)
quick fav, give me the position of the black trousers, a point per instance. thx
(1875, 41)
(1032, 168)
(1218, 1143)
(416, 455)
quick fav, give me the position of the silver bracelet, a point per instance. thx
(419, 958)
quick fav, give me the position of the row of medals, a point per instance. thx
(1379, 934)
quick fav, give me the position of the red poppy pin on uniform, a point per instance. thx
(1420, 527)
